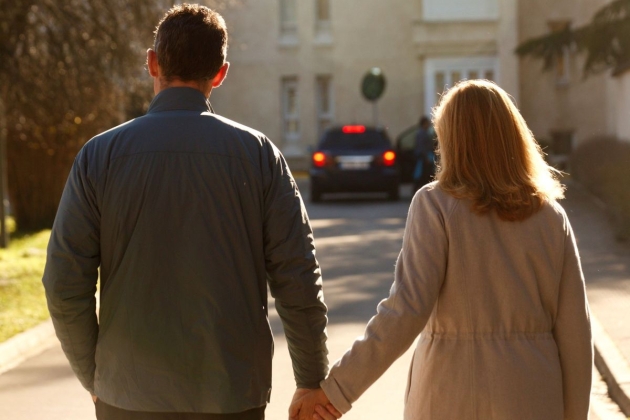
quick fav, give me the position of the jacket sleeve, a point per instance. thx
(420, 272)
(572, 333)
(71, 272)
(294, 275)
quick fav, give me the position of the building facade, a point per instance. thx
(560, 105)
(297, 66)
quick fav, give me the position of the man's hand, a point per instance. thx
(312, 404)
(94, 398)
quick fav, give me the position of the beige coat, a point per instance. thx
(503, 314)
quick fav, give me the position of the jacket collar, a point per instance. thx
(180, 98)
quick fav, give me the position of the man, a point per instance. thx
(189, 216)
(424, 153)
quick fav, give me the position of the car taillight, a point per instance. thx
(319, 159)
(389, 158)
(353, 129)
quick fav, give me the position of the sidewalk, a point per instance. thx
(606, 265)
(48, 380)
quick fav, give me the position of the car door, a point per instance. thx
(405, 145)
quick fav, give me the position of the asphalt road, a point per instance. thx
(357, 239)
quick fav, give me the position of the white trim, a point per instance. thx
(460, 10)
(324, 118)
(291, 116)
(464, 65)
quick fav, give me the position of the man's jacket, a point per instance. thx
(189, 216)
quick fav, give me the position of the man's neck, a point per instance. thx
(204, 87)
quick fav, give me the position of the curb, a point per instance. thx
(26, 344)
(609, 361)
(613, 367)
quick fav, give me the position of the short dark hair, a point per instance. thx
(191, 43)
(424, 120)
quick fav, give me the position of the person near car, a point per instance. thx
(424, 153)
(489, 274)
(189, 217)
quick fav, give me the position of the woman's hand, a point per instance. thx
(326, 413)
(305, 406)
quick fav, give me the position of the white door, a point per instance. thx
(443, 73)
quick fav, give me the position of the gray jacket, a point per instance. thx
(189, 216)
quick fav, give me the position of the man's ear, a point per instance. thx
(152, 63)
(220, 76)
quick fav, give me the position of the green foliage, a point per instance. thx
(22, 300)
(602, 165)
(605, 40)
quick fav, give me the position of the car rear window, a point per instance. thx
(338, 140)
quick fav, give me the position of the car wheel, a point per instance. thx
(393, 194)
(316, 195)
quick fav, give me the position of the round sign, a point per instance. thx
(373, 84)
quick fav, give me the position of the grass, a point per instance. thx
(22, 300)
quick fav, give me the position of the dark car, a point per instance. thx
(405, 148)
(354, 158)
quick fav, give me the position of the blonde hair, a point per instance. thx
(488, 154)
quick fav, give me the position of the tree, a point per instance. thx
(66, 69)
(69, 69)
(605, 40)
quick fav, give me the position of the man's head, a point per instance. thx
(190, 47)
(424, 122)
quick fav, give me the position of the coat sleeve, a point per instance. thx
(572, 333)
(71, 272)
(419, 274)
(294, 275)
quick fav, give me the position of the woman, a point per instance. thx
(489, 272)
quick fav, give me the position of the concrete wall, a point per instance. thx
(548, 105)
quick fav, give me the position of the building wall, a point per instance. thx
(393, 35)
(551, 103)
(620, 104)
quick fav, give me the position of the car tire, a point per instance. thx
(316, 195)
(393, 194)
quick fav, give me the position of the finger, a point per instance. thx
(317, 417)
(331, 408)
(324, 413)
(294, 409)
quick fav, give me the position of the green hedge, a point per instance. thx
(602, 165)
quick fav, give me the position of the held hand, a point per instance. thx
(326, 413)
(294, 408)
(303, 406)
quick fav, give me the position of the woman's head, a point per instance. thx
(488, 154)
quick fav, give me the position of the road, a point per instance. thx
(357, 242)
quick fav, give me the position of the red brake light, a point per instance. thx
(389, 158)
(319, 159)
(353, 129)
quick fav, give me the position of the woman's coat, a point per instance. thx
(503, 313)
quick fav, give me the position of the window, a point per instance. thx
(443, 73)
(446, 10)
(288, 21)
(323, 87)
(322, 22)
(323, 10)
(290, 116)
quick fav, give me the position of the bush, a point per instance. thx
(602, 165)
